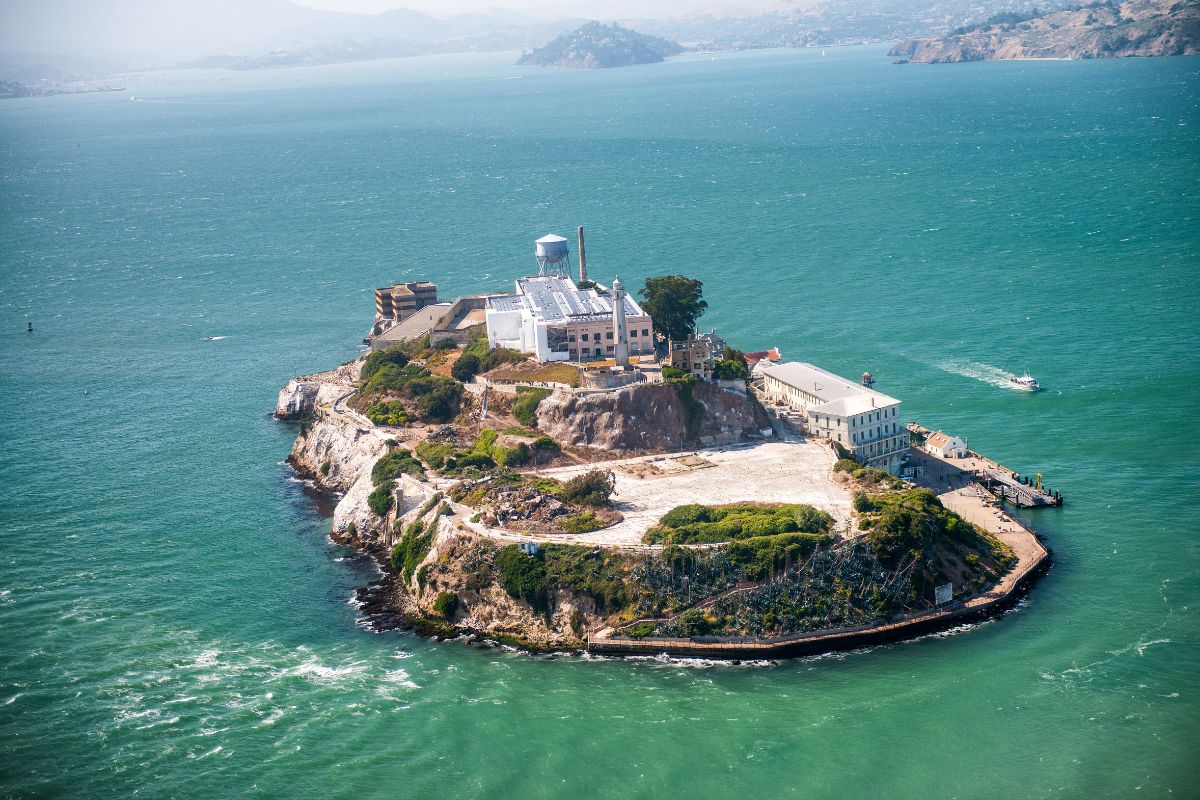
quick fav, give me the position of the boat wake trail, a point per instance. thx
(985, 373)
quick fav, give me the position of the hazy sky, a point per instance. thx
(604, 9)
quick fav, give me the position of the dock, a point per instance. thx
(1005, 484)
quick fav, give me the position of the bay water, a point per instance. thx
(174, 621)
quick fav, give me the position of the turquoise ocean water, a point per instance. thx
(174, 621)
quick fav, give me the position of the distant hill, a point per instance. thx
(1102, 30)
(596, 45)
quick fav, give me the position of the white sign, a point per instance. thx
(943, 594)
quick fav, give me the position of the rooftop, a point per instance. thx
(838, 395)
(555, 298)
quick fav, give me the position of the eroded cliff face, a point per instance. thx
(304, 393)
(650, 417)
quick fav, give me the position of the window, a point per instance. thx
(645, 331)
(570, 337)
(610, 348)
(633, 333)
(608, 334)
(583, 337)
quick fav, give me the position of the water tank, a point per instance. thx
(551, 249)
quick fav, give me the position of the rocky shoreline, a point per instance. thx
(443, 575)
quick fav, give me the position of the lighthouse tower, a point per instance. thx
(620, 332)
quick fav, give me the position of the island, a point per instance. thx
(569, 467)
(1099, 30)
(596, 46)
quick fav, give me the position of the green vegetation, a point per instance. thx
(581, 523)
(639, 630)
(394, 464)
(446, 604)
(675, 303)
(732, 367)
(517, 430)
(760, 556)
(381, 499)
(525, 407)
(683, 383)
(413, 546)
(697, 524)
(516, 456)
(592, 571)
(465, 368)
(394, 355)
(593, 488)
(908, 522)
(388, 413)
(595, 45)
(483, 358)
(523, 576)
(324, 470)
(392, 387)
(849, 465)
(434, 453)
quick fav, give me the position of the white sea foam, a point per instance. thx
(975, 370)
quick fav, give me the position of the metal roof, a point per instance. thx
(838, 396)
(557, 299)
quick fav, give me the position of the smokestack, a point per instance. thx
(582, 258)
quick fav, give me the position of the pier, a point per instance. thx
(1003, 483)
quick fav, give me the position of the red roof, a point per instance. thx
(763, 355)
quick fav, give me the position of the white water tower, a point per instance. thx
(552, 255)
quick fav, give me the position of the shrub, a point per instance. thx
(862, 503)
(640, 630)
(544, 444)
(394, 464)
(674, 373)
(324, 470)
(685, 515)
(581, 523)
(516, 456)
(434, 453)
(761, 556)
(412, 548)
(446, 604)
(846, 465)
(466, 368)
(729, 369)
(696, 524)
(483, 444)
(388, 413)
(381, 500)
(525, 408)
(394, 355)
(523, 576)
(592, 488)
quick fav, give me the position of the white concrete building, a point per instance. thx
(943, 445)
(862, 420)
(553, 319)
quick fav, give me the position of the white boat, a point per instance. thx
(1026, 383)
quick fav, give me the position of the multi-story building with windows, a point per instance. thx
(403, 299)
(552, 318)
(864, 421)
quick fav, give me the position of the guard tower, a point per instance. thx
(552, 255)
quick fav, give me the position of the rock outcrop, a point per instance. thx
(304, 393)
(650, 417)
(1133, 28)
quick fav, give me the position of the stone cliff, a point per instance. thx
(651, 417)
(304, 393)
(1133, 28)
